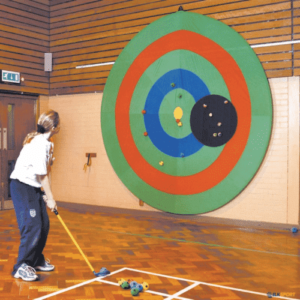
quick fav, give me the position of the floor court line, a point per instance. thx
(211, 284)
(201, 243)
(169, 297)
(161, 275)
(147, 291)
(182, 291)
(77, 285)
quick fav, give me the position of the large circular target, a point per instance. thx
(165, 93)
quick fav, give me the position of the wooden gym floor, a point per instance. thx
(180, 258)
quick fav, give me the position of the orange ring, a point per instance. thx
(236, 84)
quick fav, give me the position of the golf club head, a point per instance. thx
(102, 272)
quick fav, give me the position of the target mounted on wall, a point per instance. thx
(186, 115)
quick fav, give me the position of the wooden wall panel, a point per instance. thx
(80, 32)
(296, 36)
(91, 32)
(24, 38)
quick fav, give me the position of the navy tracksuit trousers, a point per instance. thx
(33, 222)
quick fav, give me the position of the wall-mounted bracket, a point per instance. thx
(89, 161)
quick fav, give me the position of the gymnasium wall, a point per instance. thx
(91, 32)
(24, 38)
(272, 196)
(80, 32)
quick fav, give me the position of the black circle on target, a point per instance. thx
(213, 120)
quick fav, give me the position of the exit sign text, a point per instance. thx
(9, 76)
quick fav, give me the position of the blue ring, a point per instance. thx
(169, 145)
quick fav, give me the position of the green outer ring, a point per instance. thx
(261, 109)
(199, 66)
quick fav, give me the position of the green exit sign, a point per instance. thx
(9, 76)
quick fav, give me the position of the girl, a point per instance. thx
(30, 174)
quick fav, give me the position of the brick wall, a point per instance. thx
(272, 195)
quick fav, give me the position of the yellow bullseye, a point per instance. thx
(178, 113)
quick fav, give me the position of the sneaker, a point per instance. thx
(26, 272)
(47, 267)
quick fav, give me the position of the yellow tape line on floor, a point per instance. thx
(45, 288)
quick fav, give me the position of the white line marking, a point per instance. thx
(169, 297)
(147, 291)
(276, 44)
(182, 291)
(252, 46)
(77, 285)
(167, 276)
(106, 281)
(211, 284)
(166, 295)
(95, 65)
(67, 289)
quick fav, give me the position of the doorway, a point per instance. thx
(17, 118)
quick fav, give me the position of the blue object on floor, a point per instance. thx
(102, 272)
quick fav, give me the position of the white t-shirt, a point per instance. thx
(32, 161)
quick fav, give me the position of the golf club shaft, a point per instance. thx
(71, 236)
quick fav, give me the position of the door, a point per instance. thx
(17, 118)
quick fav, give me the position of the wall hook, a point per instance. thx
(89, 160)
